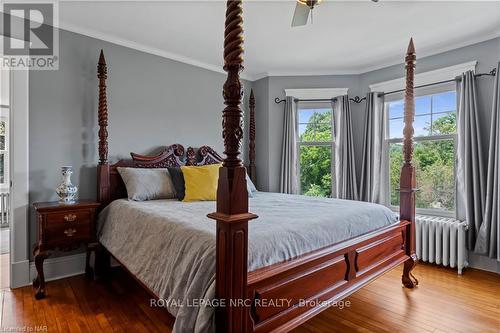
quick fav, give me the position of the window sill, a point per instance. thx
(429, 212)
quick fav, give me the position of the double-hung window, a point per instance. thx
(315, 144)
(434, 153)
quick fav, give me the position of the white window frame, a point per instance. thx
(424, 78)
(315, 94)
(388, 141)
(299, 144)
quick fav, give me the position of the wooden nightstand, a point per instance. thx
(64, 227)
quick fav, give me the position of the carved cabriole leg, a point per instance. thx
(408, 279)
(39, 282)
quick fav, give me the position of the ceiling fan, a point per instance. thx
(304, 9)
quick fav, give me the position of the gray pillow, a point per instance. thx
(147, 184)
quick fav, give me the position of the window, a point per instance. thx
(315, 148)
(434, 153)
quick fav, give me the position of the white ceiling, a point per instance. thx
(347, 37)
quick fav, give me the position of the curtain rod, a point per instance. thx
(356, 100)
(493, 72)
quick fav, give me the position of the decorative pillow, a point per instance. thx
(147, 184)
(201, 182)
(178, 181)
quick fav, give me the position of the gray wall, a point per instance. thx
(152, 102)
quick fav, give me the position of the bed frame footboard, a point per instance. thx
(302, 287)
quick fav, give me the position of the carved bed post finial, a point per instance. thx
(409, 112)
(251, 139)
(232, 197)
(102, 75)
(408, 182)
(103, 180)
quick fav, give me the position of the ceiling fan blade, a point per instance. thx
(300, 15)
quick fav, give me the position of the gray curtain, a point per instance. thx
(373, 170)
(488, 238)
(345, 186)
(470, 170)
(288, 171)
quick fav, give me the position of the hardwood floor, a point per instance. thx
(444, 302)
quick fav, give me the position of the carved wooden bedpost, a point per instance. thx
(251, 139)
(102, 119)
(408, 175)
(232, 198)
(102, 257)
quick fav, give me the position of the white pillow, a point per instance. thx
(147, 184)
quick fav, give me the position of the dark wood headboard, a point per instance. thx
(110, 183)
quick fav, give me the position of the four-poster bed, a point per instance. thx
(327, 274)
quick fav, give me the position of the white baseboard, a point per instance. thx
(60, 267)
(20, 274)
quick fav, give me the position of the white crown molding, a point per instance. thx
(442, 74)
(146, 49)
(318, 93)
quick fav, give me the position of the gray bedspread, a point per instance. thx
(170, 245)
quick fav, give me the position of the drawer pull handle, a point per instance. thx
(70, 218)
(69, 232)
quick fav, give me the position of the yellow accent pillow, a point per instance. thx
(201, 182)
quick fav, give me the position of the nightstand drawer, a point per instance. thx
(67, 232)
(69, 218)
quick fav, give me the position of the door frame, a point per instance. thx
(19, 177)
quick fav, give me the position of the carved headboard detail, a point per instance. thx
(170, 156)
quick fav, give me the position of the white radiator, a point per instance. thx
(441, 241)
